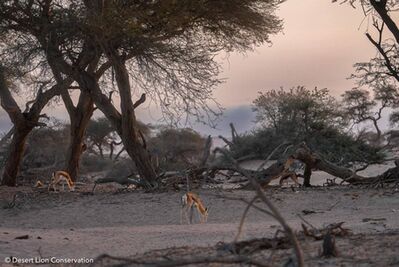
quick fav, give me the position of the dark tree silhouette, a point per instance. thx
(166, 47)
(24, 121)
(360, 106)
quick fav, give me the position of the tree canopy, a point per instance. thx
(298, 111)
(305, 115)
(170, 45)
(166, 48)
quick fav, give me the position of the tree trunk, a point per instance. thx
(80, 118)
(74, 152)
(380, 7)
(130, 131)
(100, 148)
(315, 161)
(15, 155)
(111, 148)
(23, 122)
(306, 175)
(125, 123)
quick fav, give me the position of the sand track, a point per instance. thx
(77, 225)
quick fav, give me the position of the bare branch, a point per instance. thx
(388, 63)
(271, 155)
(290, 233)
(140, 101)
(244, 215)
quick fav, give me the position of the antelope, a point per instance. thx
(59, 177)
(189, 201)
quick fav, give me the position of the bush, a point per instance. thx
(331, 143)
(257, 144)
(301, 115)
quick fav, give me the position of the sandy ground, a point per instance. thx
(75, 224)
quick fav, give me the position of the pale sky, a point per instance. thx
(320, 43)
(318, 47)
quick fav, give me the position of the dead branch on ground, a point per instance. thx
(335, 229)
(276, 214)
(248, 247)
(244, 215)
(120, 180)
(314, 161)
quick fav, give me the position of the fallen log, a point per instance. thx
(126, 181)
(314, 161)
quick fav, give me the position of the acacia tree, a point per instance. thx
(24, 121)
(384, 67)
(382, 8)
(360, 106)
(32, 76)
(297, 112)
(310, 116)
(166, 47)
(381, 73)
(20, 51)
(21, 54)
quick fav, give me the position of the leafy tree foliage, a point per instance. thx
(256, 144)
(166, 47)
(298, 113)
(302, 115)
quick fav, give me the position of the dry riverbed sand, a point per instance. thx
(76, 224)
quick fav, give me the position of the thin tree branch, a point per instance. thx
(388, 62)
(290, 233)
(140, 101)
